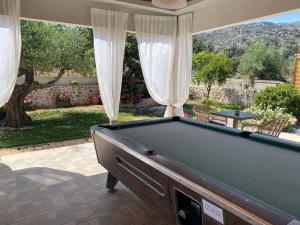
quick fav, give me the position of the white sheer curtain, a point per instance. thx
(166, 58)
(10, 47)
(109, 29)
(182, 66)
(156, 36)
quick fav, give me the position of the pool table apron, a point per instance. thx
(114, 159)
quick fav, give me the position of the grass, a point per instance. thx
(59, 125)
(217, 106)
(69, 124)
(222, 106)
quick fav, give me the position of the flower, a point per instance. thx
(28, 100)
(63, 97)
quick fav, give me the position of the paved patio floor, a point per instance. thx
(65, 186)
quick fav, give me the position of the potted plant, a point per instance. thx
(28, 102)
(96, 100)
(62, 100)
(74, 83)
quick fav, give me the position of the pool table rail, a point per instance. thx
(235, 203)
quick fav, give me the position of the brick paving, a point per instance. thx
(65, 186)
(32, 148)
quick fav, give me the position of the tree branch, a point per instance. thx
(37, 85)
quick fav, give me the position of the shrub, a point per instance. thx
(62, 100)
(188, 108)
(95, 100)
(211, 68)
(63, 97)
(283, 96)
(263, 61)
(269, 114)
(132, 92)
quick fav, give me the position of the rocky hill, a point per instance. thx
(283, 35)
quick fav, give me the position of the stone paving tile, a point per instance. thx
(65, 186)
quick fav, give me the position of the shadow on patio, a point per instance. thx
(44, 195)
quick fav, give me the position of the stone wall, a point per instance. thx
(80, 95)
(224, 95)
(233, 91)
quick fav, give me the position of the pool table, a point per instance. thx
(192, 172)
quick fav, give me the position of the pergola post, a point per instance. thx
(297, 72)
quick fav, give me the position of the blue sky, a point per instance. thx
(285, 18)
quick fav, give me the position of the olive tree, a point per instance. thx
(52, 48)
(133, 85)
(211, 68)
(263, 61)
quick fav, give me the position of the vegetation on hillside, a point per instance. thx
(284, 36)
(234, 41)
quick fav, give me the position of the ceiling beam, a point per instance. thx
(211, 15)
(207, 14)
(78, 11)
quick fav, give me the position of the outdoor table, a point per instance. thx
(232, 114)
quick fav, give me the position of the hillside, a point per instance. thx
(297, 24)
(283, 35)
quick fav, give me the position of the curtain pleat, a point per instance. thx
(182, 67)
(109, 29)
(156, 37)
(10, 47)
(165, 49)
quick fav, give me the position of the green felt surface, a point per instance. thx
(267, 173)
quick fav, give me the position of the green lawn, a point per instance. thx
(217, 106)
(222, 106)
(58, 125)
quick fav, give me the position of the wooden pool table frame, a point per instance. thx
(238, 209)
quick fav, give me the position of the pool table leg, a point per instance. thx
(235, 123)
(111, 182)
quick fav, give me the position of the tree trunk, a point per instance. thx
(208, 89)
(15, 111)
(16, 116)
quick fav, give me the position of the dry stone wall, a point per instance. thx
(224, 94)
(79, 95)
(232, 92)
